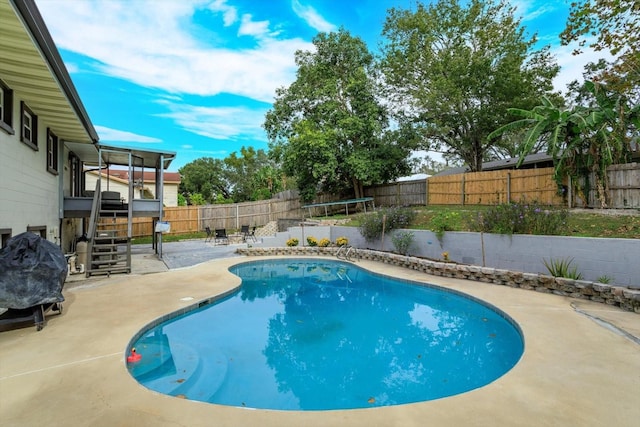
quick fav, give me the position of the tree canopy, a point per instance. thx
(452, 71)
(328, 128)
(608, 25)
(236, 178)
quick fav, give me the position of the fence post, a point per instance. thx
(426, 192)
(462, 201)
(508, 187)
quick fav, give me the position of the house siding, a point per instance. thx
(28, 192)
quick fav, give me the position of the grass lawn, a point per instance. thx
(580, 223)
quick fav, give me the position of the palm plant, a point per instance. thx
(582, 139)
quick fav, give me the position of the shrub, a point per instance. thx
(392, 218)
(522, 218)
(312, 241)
(442, 221)
(562, 268)
(342, 241)
(402, 241)
(324, 242)
(292, 242)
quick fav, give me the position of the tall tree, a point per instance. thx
(243, 172)
(204, 176)
(612, 25)
(328, 127)
(453, 71)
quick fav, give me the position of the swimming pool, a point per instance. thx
(305, 334)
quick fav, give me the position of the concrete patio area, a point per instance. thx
(581, 365)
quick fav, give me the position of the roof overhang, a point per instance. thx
(31, 66)
(106, 155)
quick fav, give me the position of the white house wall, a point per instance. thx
(28, 192)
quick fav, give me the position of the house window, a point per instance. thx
(5, 235)
(29, 126)
(40, 230)
(52, 152)
(6, 107)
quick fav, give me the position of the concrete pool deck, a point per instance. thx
(575, 371)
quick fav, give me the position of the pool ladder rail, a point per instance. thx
(347, 253)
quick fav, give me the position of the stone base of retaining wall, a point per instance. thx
(625, 298)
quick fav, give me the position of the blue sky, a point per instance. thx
(196, 77)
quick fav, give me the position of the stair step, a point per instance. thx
(95, 271)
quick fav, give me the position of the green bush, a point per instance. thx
(443, 221)
(393, 218)
(402, 241)
(292, 242)
(522, 218)
(312, 241)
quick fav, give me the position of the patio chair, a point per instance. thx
(209, 234)
(252, 234)
(221, 237)
(244, 231)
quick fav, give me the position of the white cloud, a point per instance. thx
(229, 13)
(108, 134)
(220, 123)
(312, 17)
(249, 27)
(532, 9)
(572, 66)
(148, 43)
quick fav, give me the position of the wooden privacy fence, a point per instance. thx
(191, 219)
(405, 193)
(494, 187)
(624, 187)
(482, 188)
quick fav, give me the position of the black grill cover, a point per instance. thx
(32, 272)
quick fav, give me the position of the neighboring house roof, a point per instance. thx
(31, 65)
(530, 160)
(414, 177)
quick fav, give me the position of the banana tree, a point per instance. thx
(581, 140)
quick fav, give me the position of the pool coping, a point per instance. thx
(73, 372)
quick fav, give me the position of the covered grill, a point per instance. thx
(32, 274)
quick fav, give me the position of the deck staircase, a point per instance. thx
(109, 245)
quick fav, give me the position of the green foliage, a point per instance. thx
(402, 241)
(453, 68)
(388, 218)
(204, 176)
(252, 175)
(312, 241)
(610, 25)
(605, 279)
(580, 139)
(444, 221)
(328, 127)
(182, 201)
(197, 199)
(293, 242)
(522, 218)
(562, 268)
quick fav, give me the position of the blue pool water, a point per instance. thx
(318, 335)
